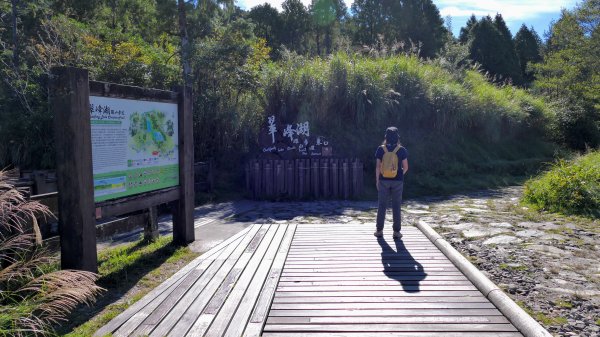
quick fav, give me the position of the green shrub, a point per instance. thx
(569, 187)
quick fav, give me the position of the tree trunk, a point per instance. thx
(328, 40)
(185, 45)
(15, 38)
(318, 38)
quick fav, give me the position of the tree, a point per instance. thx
(570, 74)
(296, 23)
(510, 66)
(464, 31)
(421, 22)
(268, 24)
(416, 21)
(326, 18)
(527, 46)
(489, 45)
(369, 20)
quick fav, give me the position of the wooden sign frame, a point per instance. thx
(70, 90)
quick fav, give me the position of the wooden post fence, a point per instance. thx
(297, 179)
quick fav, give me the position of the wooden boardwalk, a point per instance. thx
(316, 280)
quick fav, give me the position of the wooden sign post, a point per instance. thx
(69, 102)
(96, 177)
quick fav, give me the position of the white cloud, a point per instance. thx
(511, 10)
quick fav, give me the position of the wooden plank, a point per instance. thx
(369, 269)
(355, 254)
(343, 239)
(218, 319)
(387, 312)
(366, 240)
(377, 278)
(242, 315)
(136, 321)
(374, 282)
(391, 320)
(260, 312)
(70, 105)
(137, 202)
(165, 287)
(391, 327)
(323, 247)
(372, 257)
(393, 305)
(358, 252)
(381, 299)
(156, 314)
(335, 181)
(360, 259)
(347, 246)
(167, 310)
(385, 262)
(393, 334)
(405, 287)
(187, 310)
(375, 273)
(106, 89)
(399, 293)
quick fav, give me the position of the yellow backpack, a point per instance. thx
(389, 165)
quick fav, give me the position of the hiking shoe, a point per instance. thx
(397, 235)
(378, 234)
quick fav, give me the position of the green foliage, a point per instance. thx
(296, 23)
(490, 44)
(268, 24)
(326, 16)
(49, 39)
(413, 21)
(527, 45)
(568, 187)
(227, 64)
(353, 99)
(570, 74)
(463, 36)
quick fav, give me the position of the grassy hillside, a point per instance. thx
(461, 131)
(571, 187)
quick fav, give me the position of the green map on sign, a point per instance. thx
(151, 132)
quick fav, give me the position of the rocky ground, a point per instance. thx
(549, 264)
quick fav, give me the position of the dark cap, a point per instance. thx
(391, 135)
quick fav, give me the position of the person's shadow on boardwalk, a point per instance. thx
(399, 265)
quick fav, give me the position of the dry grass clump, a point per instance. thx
(34, 294)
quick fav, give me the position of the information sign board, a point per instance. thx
(134, 146)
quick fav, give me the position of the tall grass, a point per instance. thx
(569, 187)
(34, 296)
(461, 131)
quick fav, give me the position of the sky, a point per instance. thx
(536, 13)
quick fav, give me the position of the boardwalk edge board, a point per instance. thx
(528, 326)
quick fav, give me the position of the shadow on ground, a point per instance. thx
(118, 282)
(399, 265)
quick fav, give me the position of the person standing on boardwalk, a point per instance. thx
(391, 166)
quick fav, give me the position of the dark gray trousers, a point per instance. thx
(387, 189)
